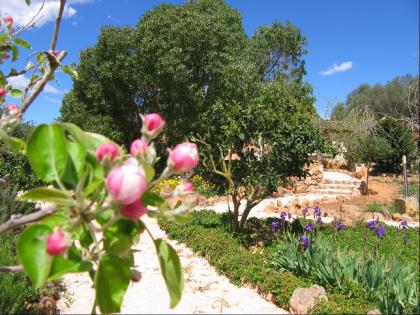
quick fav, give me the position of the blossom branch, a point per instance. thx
(18, 268)
(18, 220)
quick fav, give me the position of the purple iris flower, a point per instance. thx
(380, 231)
(372, 224)
(404, 224)
(340, 226)
(283, 215)
(305, 211)
(275, 226)
(309, 227)
(304, 241)
(317, 211)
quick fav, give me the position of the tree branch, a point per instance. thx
(57, 25)
(17, 220)
(11, 268)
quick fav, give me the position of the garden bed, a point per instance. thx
(247, 259)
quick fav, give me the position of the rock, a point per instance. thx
(408, 205)
(211, 200)
(303, 299)
(350, 208)
(378, 216)
(386, 212)
(397, 217)
(271, 208)
(374, 312)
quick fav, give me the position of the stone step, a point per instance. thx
(342, 182)
(338, 186)
(324, 191)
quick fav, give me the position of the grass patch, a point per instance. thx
(374, 207)
(237, 257)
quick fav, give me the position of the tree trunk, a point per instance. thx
(245, 214)
(236, 205)
(367, 179)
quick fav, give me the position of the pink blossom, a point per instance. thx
(12, 107)
(134, 210)
(107, 150)
(138, 148)
(153, 121)
(188, 187)
(3, 92)
(126, 183)
(184, 157)
(57, 243)
(8, 19)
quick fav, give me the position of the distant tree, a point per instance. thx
(401, 141)
(389, 99)
(372, 148)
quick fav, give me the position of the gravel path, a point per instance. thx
(205, 290)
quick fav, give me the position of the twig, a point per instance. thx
(31, 23)
(57, 25)
(16, 220)
(11, 268)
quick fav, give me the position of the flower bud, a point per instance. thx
(152, 125)
(3, 92)
(139, 148)
(126, 183)
(8, 19)
(183, 157)
(134, 210)
(57, 243)
(183, 189)
(135, 275)
(12, 109)
(107, 150)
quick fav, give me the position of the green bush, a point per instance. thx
(15, 288)
(233, 255)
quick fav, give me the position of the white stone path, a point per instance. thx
(205, 290)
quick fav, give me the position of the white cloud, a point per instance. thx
(22, 13)
(52, 100)
(344, 66)
(20, 82)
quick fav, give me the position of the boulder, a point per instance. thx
(408, 205)
(271, 208)
(397, 217)
(303, 299)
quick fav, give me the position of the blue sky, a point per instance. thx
(349, 42)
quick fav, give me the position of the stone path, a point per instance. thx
(205, 290)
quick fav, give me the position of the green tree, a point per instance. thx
(372, 148)
(401, 141)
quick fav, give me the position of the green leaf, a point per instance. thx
(54, 220)
(111, 283)
(28, 2)
(78, 155)
(22, 43)
(15, 53)
(70, 71)
(15, 93)
(29, 66)
(72, 263)
(47, 152)
(152, 199)
(87, 139)
(120, 236)
(150, 172)
(32, 253)
(13, 143)
(51, 195)
(171, 270)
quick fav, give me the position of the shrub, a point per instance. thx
(374, 207)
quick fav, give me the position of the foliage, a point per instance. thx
(383, 100)
(204, 187)
(15, 288)
(16, 164)
(208, 235)
(401, 142)
(374, 207)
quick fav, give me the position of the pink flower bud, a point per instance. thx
(3, 92)
(188, 187)
(138, 148)
(152, 125)
(12, 109)
(134, 210)
(183, 157)
(109, 150)
(126, 183)
(57, 243)
(8, 19)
